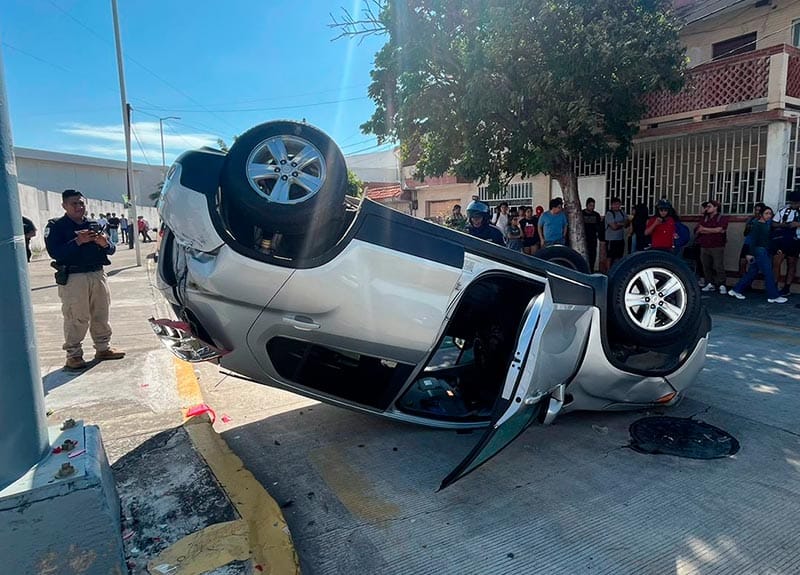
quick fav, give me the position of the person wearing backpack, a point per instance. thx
(710, 234)
(615, 224)
(661, 228)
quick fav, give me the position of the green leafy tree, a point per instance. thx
(491, 89)
(355, 187)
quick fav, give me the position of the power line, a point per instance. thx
(145, 68)
(189, 145)
(273, 109)
(37, 58)
(138, 141)
(372, 148)
(286, 97)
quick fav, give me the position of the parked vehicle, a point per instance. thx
(275, 274)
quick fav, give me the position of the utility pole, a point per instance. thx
(23, 427)
(161, 131)
(126, 119)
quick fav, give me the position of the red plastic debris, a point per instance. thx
(259, 568)
(225, 419)
(200, 409)
(57, 449)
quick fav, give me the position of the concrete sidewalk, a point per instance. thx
(179, 485)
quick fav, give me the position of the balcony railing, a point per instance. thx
(766, 79)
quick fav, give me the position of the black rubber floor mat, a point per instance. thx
(681, 437)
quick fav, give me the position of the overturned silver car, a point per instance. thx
(277, 275)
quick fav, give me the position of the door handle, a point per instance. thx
(301, 322)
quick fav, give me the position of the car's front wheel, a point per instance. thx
(653, 299)
(286, 174)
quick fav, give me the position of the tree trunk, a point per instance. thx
(566, 177)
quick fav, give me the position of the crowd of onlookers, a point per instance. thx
(770, 239)
(118, 228)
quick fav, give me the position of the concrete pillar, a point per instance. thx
(778, 135)
(778, 76)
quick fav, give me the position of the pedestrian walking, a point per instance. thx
(80, 251)
(759, 260)
(144, 227)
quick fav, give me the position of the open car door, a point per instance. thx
(514, 409)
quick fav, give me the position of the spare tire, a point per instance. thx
(285, 174)
(564, 256)
(653, 299)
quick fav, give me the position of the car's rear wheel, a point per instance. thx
(286, 174)
(653, 299)
(564, 256)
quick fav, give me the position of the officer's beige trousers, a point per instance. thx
(84, 303)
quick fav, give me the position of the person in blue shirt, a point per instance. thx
(479, 226)
(80, 250)
(553, 224)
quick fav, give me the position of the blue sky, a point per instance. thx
(222, 67)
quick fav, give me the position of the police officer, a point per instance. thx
(479, 226)
(80, 251)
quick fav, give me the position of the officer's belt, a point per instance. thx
(83, 269)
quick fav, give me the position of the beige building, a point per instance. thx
(731, 134)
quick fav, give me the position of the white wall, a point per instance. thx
(41, 206)
(101, 182)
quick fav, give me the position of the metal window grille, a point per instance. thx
(517, 193)
(726, 166)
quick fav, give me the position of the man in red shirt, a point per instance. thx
(661, 227)
(710, 235)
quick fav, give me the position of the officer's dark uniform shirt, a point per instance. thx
(61, 242)
(488, 232)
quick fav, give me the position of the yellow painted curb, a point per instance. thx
(188, 387)
(204, 550)
(268, 536)
(270, 540)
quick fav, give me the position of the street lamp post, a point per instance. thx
(161, 131)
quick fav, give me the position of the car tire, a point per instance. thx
(285, 174)
(653, 299)
(564, 256)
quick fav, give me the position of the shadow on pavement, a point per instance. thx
(61, 376)
(118, 270)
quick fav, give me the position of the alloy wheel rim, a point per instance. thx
(286, 169)
(655, 299)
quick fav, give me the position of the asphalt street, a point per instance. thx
(360, 493)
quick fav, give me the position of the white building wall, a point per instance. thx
(95, 178)
(40, 206)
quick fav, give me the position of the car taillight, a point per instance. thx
(177, 337)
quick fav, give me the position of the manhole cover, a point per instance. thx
(681, 437)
